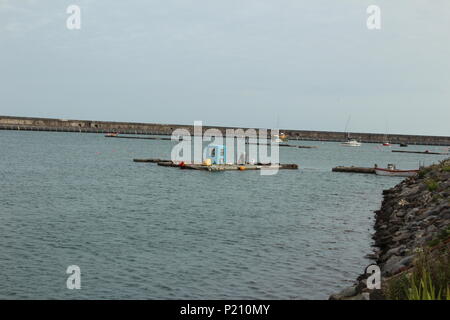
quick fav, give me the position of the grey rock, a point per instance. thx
(397, 265)
(403, 236)
(437, 210)
(444, 222)
(365, 296)
(391, 252)
(409, 191)
(429, 219)
(347, 292)
(361, 296)
(391, 262)
(400, 213)
(445, 214)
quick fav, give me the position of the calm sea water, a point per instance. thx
(141, 231)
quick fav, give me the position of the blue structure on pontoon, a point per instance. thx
(217, 154)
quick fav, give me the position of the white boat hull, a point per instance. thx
(351, 144)
(396, 173)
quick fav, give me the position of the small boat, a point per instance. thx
(391, 170)
(111, 134)
(386, 142)
(276, 139)
(403, 144)
(279, 138)
(351, 143)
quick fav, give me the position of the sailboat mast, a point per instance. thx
(346, 128)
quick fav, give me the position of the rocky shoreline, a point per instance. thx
(415, 214)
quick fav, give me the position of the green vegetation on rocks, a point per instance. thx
(428, 279)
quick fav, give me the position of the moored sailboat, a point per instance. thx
(350, 142)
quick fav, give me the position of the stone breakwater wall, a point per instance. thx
(413, 214)
(65, 125)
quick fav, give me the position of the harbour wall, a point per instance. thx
(91, 126)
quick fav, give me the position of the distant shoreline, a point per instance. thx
(91, 126)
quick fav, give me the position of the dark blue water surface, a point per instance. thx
(142, 231)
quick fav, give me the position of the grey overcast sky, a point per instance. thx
(311, 64)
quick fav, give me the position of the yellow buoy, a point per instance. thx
(207, 162)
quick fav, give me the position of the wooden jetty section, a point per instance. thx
(354, 169)
(151, 160)
(168, 163)
(296, 146)
(135, 137)
(220, 167)
(237, 167)
(421, 152)
(285, 145)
